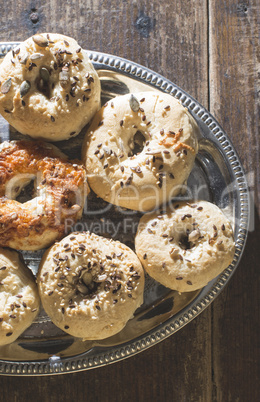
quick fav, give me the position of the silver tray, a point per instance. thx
(217, 177)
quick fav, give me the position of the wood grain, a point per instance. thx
(234, 100)
(209, 48)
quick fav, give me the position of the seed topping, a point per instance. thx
(40, 40)
(134, 104)
(5, 88)
(24, 88)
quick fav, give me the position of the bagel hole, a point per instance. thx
(27, 192)
(137, 145)
(184, 242)
(43, 82)
(85, 284)
(22, 188)
(43, 87)
(68, 198)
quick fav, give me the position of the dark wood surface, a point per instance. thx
(210, 48)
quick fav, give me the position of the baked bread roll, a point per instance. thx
(58, 198)
(140, 149)
(186, 247)
(48, 87)
(90, 286)
(19, 300)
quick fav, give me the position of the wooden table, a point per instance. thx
(210, 49)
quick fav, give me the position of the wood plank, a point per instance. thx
(234, 100)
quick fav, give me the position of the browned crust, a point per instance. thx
(60, 178)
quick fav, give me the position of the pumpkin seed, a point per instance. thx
(40, 85)
(36, 56)
(82, 289)
(87, 278)
(40, 40)
(25, 88)
(134, 104)
(5, 88)
(45, 75)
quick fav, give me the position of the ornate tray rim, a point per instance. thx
(82, 362)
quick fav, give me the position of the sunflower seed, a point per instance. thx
(121, 145)
(5, 88)
(40, 40)
(194, 235)
(23, 59)
(100, 278)
(36, 56)
(155, 152)
(106, 150)
(134, 104)
(25, 88)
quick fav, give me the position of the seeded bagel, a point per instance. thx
(140, 149)
(90, 286)
(19, 300)
(58, 197)
(48, 87)
(186, 247)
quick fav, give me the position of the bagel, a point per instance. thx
(90, 286)
(19, 300)
(186, 247)
(49, 88)
(60, 189)
(140, 149)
